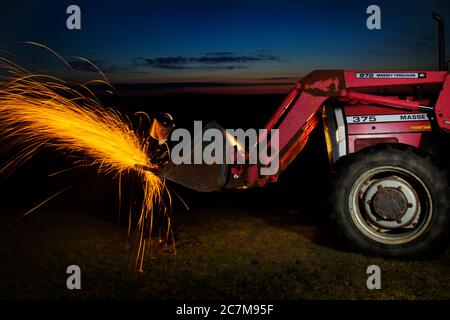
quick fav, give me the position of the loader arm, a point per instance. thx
(296, 118)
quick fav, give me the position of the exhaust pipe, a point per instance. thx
(441, 54)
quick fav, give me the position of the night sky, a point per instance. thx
(225, 46)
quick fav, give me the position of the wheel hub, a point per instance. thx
(389, 204)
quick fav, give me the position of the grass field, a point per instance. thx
(226, 250)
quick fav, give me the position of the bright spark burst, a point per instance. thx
(38, 110)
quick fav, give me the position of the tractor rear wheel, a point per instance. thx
(392, 201)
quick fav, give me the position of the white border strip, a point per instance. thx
(387, 118)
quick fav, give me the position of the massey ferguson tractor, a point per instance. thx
(385, 133)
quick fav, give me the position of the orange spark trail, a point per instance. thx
(38, 110)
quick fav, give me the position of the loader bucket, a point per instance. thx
(199, 177)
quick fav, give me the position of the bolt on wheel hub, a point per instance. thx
(391, 203)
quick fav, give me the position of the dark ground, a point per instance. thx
(275, 243)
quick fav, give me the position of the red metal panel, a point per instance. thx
(388, 101)
(304, 108)
(366, 142)
(442, 107)
(406, 132)
(382, 127)
(389, 127)
(365, 109)
(283, 107)
(432, 77)
(412, 139)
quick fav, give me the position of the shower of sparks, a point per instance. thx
(38, 110)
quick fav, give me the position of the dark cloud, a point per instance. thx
(171, 63)
(218, 53)
(213, 60)
(225, 67)
(209, 61)
(228, 57)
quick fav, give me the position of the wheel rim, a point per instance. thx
(390, 205)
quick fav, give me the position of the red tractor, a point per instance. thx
(384, 132)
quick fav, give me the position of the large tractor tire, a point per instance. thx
(392, 201)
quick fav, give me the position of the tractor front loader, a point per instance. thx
(390, 198)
